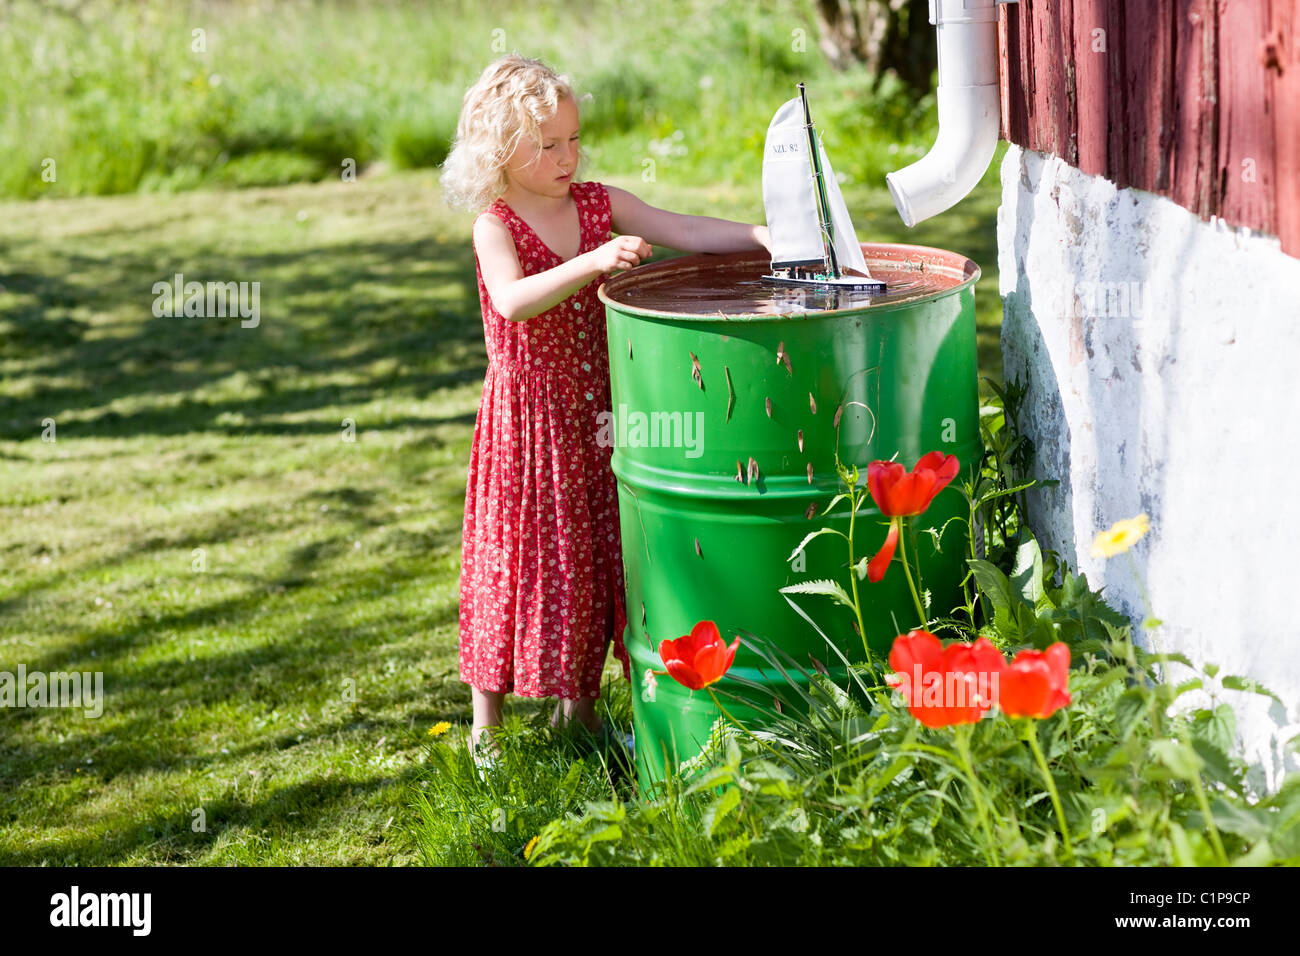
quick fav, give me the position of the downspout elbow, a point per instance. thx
(969, 107)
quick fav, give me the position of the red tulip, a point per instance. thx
(877, 566)
(899, 493)
(949, 685)
(700, 658)
(1036, 683)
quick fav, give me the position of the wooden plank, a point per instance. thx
(1052, 104)
(1092, 55)
(1067, 106)
(1008, 79)
(1285, 33)
(1194, 145)
(1197, 100)
(1149, 121)
(1244, 166)
(1117, 133)
(1023, 35)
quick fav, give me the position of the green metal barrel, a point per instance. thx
(725, 396)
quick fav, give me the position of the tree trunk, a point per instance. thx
(879, 36)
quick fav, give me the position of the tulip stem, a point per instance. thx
(911, 586)
(962, 737)
(762, 743)
(853, 576)
(1030, 734)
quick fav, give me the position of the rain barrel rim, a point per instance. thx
(871, 250)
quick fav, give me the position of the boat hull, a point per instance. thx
(844, 282)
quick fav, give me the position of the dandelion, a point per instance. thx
(1121, 536)
(529, 847)
(440, 728)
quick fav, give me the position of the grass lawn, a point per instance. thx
(273, 606)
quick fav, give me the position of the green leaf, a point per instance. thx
(1217, 765)
(572, 781)
(777, 846)
(936, 534)
(1027, 575)
(993, 584)
(1249, 684)
(822, 586)
(1129, 708)
(717, 812)
(1081, 613)
(901, 766)
(1004, 492)
(711, 779)
(1184, 855)
(833, 502)
(1165, 658)
(1216, 727)
(733, 846)
(611, 832)
(808, 537)
(1180, 758)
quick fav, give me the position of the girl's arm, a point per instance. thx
(677, 231)
(517, 296)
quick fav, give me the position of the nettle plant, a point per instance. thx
(1024, 727)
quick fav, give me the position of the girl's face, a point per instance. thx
(548, 170)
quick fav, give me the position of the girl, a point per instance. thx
(541, 587)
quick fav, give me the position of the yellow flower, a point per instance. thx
(1121, 536)
(529, 847)
(441, 727)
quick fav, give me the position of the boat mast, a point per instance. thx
(823, 204)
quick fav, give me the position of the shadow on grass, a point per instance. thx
(359, 505)
(288, 811)
(410, 308)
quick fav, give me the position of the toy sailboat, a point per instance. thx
(812, 237)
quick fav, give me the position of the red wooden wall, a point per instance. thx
(1197, 100)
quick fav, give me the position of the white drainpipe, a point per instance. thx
(969, 112)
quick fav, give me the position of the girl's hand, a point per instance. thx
(621, 253)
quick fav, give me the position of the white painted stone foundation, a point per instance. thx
(1163, 359)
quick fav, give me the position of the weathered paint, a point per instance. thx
(1159, 355)
(1197, 100)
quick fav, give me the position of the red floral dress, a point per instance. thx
(541, 585)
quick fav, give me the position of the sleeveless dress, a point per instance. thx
(541, 562)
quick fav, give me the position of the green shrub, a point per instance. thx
(117, 95)
(846, 775)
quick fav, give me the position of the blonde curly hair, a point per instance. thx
(512, 98)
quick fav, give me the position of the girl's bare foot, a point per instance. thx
(482, 741)
(583, 711)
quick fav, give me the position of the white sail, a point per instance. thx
(790, 200)
(788, 197)
(847, 250)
